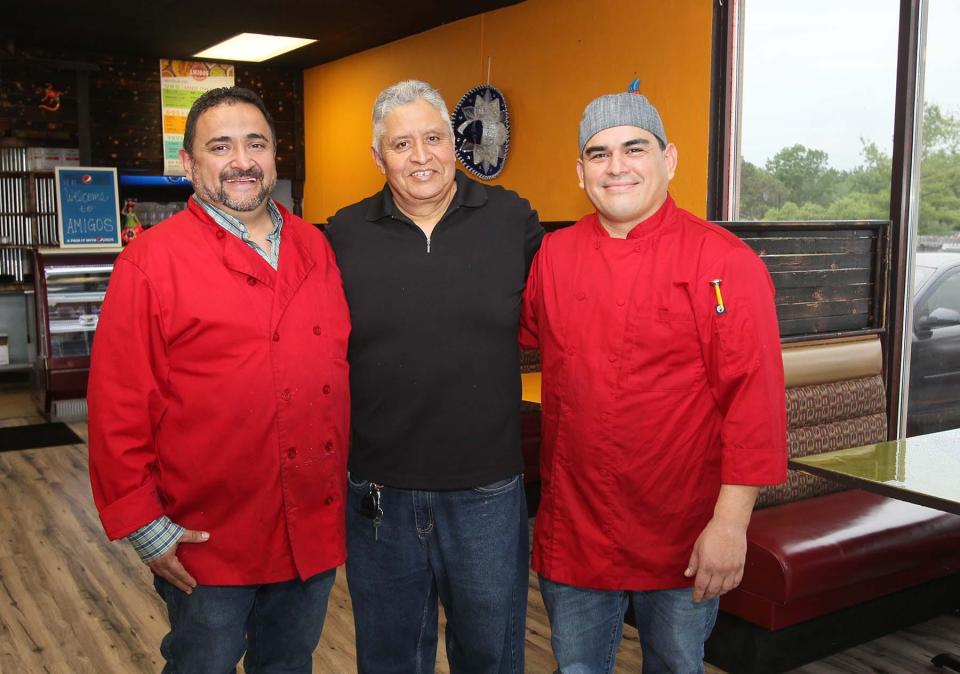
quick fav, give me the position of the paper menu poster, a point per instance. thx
(182, 83)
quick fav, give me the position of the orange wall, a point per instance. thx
(549, 58)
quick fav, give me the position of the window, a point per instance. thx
(816, 110)
(933, 388)
(849, 110)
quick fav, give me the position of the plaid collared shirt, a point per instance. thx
(154, 539)
(239, 230)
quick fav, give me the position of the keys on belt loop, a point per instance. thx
(370, 507)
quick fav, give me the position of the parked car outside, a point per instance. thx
(933, 399)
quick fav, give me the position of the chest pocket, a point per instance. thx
(661, 352)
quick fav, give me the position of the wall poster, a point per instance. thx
(182, 83)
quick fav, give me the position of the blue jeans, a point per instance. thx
(586, 627)
(467, 547)
(277, 624)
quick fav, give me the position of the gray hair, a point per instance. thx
(403, 93)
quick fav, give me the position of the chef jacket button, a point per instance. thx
(292, 453)
(571, 351)
(328, 500)
(251, 281)
(612, 358)
(581, 295)
(221, 233)
(621, 302)
(317, 330)
(326, 389)
(286, 394)
(276, 336)
(328, 446)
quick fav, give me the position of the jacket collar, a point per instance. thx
(470, 194)
(295, 261)
(645, 229)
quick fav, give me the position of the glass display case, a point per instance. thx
(70, 287)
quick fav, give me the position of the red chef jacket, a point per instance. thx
(651, 399)
(218, 396)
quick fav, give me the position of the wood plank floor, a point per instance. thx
(70, 601)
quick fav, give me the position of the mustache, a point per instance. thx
(253, 172)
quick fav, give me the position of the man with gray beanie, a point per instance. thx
(663, 403)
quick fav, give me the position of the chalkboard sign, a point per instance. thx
(88, 208)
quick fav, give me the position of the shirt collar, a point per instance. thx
(236, 226)
(469, 193)
(645, 228)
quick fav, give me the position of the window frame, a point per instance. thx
(726, 76)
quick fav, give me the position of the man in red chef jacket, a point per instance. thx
(219, 405)
(663, 403)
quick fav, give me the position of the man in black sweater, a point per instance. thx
(433, 267)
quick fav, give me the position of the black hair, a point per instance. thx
(223, 96)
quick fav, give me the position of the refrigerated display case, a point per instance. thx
(70, 287)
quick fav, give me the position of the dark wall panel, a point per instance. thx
(124, 104)
(828, 276)
(22, 87)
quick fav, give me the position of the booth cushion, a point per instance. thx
(826, 362)
(824, 417)
(821, 554)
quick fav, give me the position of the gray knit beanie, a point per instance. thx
(625, 109)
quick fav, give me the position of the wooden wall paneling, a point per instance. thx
(820, 308)
(826, 261)
(825, 274)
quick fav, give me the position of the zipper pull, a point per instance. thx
(428, 244)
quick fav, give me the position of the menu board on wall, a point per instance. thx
(88, 208)
(182, 83)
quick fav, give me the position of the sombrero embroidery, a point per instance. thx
(481, 129)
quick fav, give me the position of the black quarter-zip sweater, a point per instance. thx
(434, 362)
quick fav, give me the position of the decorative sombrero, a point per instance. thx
(481, 130)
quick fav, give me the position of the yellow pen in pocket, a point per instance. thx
(716, 289)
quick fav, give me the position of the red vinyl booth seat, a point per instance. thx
(811, 557)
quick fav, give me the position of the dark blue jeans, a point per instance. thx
(277, 624)
(466, 547)
(587, 625)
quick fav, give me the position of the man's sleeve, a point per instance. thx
(533, 236)
(741, 347)
(127, 370)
